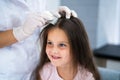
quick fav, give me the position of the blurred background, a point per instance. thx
(102, 23)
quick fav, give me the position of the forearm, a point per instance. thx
(7, 38)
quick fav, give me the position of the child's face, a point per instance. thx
(58, 48)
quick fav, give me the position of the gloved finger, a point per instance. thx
(45, 17)
(41, 22)
(66, 10)
(74, 14)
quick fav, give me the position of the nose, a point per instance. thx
(55, 50)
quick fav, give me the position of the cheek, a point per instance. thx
(66, 53)
(68, 58)
(47, 51)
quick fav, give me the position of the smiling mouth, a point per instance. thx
(55, 57)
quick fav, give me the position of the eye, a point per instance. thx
(62, 45)
(49, 43)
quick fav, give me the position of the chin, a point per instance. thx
(55, 64)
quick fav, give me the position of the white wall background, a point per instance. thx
(108, 22)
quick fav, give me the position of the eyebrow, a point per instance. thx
(64, 42)
(60, 41)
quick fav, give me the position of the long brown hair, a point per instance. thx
(78, 40)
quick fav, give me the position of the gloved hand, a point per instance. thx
(33, 21)
(65, 9)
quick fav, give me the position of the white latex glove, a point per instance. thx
(68, 12)
(33, 21)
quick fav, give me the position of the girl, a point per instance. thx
(65, 53)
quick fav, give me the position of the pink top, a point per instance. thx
(49, 72)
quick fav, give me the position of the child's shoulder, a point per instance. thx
(47, 67)
(84, 74)
(46, 71)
